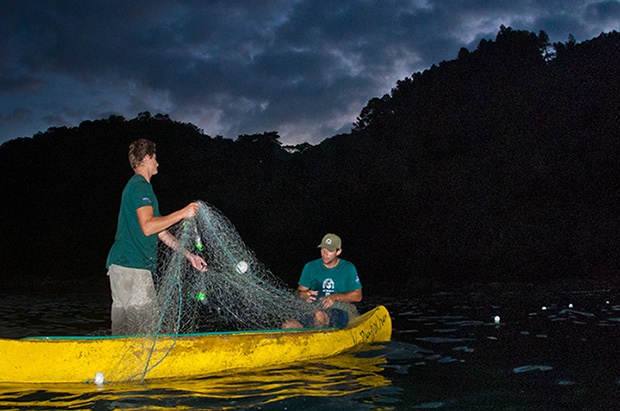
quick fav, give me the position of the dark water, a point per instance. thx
(551, 350)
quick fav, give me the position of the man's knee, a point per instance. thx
(320, 319)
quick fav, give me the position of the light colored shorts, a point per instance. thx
(133, 300)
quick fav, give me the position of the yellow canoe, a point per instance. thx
(128, 358)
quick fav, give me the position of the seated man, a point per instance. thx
(334, 282)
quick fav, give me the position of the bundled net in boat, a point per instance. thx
(237, 292)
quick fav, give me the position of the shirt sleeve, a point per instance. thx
(306, 276)
(143, 195)
(353, 279)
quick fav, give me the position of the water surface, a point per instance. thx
(526, 349)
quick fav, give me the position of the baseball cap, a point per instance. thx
(331, 242)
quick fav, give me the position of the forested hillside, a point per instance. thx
(500, 165)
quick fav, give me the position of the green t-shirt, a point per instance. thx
(340, 279)
(131, 248)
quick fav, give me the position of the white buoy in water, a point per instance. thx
(99, 378)
(241, 267)
(570, 306)
(496, 319)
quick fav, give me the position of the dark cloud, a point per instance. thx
(20, 84)
(603, 12)
(302, 68)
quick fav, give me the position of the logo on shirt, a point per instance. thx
(146, 200)
(328, 286)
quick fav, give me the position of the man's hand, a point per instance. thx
(197, 262)
(190, 210)
(307, 294)
(328, 301)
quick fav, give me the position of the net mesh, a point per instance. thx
(236, 293)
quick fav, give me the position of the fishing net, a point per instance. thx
(237, 292)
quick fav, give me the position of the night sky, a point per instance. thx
(303, 68)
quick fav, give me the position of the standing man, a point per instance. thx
(133, 257)
(334, 282)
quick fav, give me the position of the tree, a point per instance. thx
(267, 138)
(377, 111)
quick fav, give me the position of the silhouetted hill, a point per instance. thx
(513, 158)
(500, 165)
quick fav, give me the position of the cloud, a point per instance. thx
(604, 15)
(302, 68)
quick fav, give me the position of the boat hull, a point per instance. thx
(122, 358)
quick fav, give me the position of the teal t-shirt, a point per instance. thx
(340, 279)
(131, 247)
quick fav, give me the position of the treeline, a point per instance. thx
(500, 165)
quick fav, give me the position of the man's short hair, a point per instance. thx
(140, 149)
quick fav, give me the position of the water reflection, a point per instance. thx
(344, 375)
